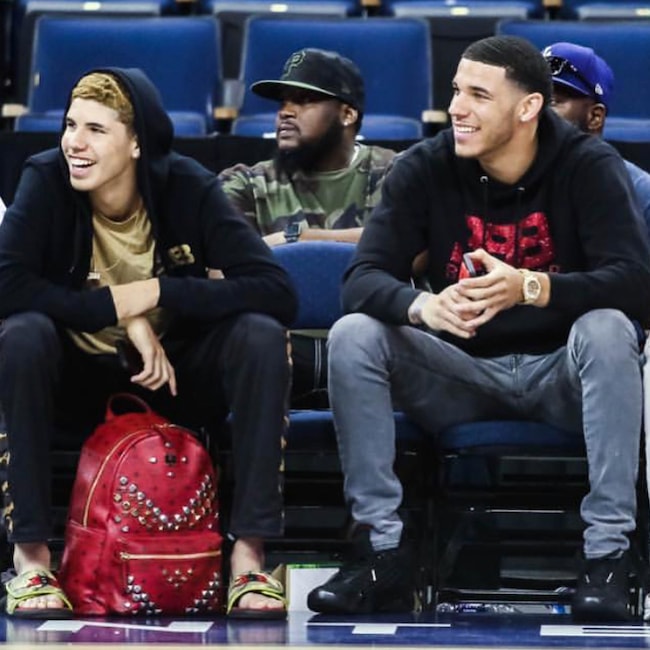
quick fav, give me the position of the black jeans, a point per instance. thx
(52, 394)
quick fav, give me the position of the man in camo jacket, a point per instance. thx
(321, 184)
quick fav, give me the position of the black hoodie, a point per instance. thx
(46, 236)
(572, 214)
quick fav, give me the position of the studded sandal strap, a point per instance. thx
(257, 582)
(32, 584)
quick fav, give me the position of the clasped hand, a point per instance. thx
(462, 308)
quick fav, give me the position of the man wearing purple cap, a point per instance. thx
(582, 92)
(582, 88)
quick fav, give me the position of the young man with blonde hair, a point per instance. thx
(108, 240)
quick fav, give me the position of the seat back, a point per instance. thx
(27, 12)
(179, 54)
(465, 8)
(186, 124)
(603, 10)
(232, 15)
(393, 55)
(375, 127)
(316, 269)
(6, 55)
(332, 7)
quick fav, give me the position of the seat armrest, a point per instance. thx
(434, 116)
(228, 113)
(13, 110)
(233, 93)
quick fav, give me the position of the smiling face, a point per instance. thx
(484, 111)
(101, 152)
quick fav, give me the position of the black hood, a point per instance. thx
(482, 191)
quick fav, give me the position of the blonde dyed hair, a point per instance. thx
(105, 89)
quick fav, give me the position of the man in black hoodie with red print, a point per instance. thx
(108, 242)
(550, 216)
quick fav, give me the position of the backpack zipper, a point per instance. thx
(167, 556)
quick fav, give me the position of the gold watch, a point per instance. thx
(532, 287)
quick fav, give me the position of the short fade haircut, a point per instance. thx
(105, 89)
(522, 61)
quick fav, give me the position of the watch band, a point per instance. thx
(415, 309)
(531, 287)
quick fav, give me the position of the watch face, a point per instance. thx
(292, 231)
(532, 288)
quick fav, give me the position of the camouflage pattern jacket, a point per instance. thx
(332, 200)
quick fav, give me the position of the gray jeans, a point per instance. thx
(592, 385)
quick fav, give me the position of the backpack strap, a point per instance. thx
(138, 403)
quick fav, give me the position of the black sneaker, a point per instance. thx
(369, 581)
(603, 591)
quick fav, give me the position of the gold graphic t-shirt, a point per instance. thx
(123, 252)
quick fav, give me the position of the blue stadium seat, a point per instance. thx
(627, 130)
(375, 127)
(6, 22)
(464, 8)
(321, 7)
(316, 269)
(604, 10)
(232, 14)
(500, 435)
(179, 54)
(507, 502)
(455, 24)
(186, 124)
(25, 13)
(313, 483)
(393, 54)
(626, 48)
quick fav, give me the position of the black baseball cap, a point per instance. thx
(322, 71)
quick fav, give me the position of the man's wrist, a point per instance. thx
(154, 289)
(415, 309)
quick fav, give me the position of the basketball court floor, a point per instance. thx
(469, 629)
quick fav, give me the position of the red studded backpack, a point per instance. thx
(142, 531)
